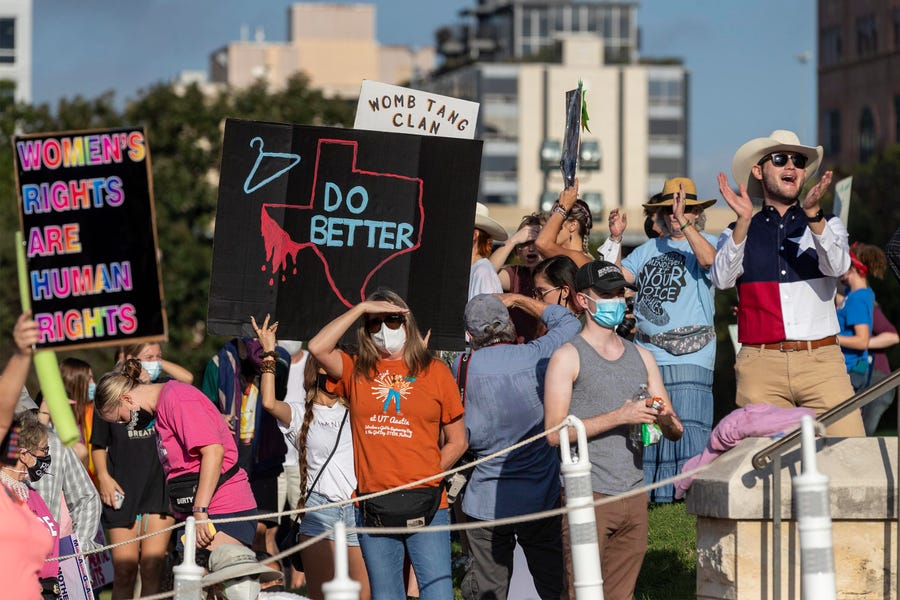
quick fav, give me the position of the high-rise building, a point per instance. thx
(859, 78)
(333, 44)
(518, 58)
(15, 50)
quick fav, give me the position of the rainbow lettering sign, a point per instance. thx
(87, 218)
(323, 217)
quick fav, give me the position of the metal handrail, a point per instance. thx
(774, 451)
(792, 440)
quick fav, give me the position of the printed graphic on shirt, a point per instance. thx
(390, 388)
(661, 280)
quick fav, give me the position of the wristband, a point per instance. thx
(271, 353)
(200, 509)
(685, 225)
(558, 209)
(816, 217)
(268, 366)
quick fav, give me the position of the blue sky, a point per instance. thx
(745, 76)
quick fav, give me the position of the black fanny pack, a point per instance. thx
(404, 508)
(183, 488)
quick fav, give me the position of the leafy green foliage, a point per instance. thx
(184, 131)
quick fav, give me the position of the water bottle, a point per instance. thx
(636, 435)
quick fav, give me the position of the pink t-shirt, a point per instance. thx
(23, 547)
(40, 510)
(186, 421)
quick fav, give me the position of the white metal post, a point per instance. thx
(341, 587)
(810, 491)
(189, 575)
(582, 522)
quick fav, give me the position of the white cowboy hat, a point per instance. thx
(487, 224)
(753, 151)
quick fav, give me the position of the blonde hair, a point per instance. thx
(415, 354)
(121, 380)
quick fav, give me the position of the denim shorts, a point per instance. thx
(315, 522)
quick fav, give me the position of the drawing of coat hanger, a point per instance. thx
(294, 158)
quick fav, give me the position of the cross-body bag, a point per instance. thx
(457, 481)
(292, 537)
(183, 488)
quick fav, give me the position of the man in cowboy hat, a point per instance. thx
(674, 309)
(786, 261)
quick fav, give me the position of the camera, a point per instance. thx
(625, 329)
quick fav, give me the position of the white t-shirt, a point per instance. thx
(483, 279)
(296, 394)
(339, 479)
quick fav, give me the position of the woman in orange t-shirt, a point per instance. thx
(403, 402)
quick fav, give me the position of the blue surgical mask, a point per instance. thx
(153, 368)
(92, 389)
(608, 312)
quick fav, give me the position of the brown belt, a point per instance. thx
(796, 345)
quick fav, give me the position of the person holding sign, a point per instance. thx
(569, 225)
(402, 403)
(195, 447)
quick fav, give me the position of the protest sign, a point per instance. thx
(384, 107)
(842, 191)
(311, 220)
(87, 217)
(74, 582)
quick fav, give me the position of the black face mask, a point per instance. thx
(40, 468)
(141, 420)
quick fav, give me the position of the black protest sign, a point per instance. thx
(311, 220)
(87, 218)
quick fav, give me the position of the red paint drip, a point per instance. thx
(279, 244)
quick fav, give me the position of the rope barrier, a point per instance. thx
(404, 530)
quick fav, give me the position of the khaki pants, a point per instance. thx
(622, 535)
(815, 379)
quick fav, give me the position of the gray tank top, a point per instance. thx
(602, 386)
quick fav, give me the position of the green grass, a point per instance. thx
(670, 566)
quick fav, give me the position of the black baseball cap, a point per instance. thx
(601, 276)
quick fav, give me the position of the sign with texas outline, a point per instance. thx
(311, 220)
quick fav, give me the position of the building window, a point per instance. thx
(866, 135)
(866, 35)
(665, 92)
(831, 132)
(830, 46)
(7, 40)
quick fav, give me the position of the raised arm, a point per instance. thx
(277, 408)
(25, 335)
(324, 345)
(546, 239)
(176, 371)
(702, 249)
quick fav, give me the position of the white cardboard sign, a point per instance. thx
(385, 107)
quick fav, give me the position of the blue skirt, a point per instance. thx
(690, 390)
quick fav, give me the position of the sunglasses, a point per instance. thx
(539, 293)
(373, 325)
(779, 159)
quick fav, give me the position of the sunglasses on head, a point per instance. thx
(779, 159)
(373, 324)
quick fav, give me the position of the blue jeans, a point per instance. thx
(428, 552)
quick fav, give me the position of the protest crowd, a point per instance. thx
(623, 340)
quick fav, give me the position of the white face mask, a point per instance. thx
(244, 589)
(389, 341)
(292, 346)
